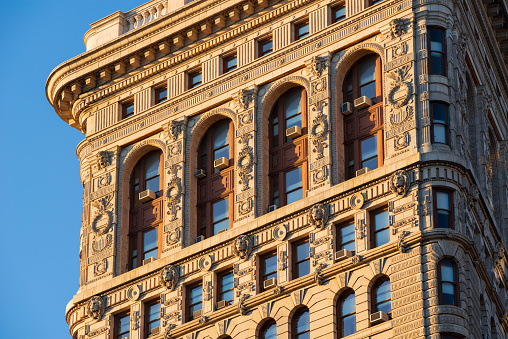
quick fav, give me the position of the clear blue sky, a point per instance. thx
(41, 193)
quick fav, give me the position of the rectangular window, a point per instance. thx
(122, 326)
(301, 259)
(153, 314)
(127, 109)
(230, 63)
(439, 115)
(161, 94)
(375, 2)
(294, 186)
(443, 209)
(268, 267)
(226, 287)
(368, 152)
(195, 298)
(302, 30)
(195, 78)
(265, 46)
(437, 51)
(275, 190)
(220, 216)
(338, 13)
(346, 237)
(380, 228)
(134, 251)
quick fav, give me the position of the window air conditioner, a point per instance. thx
(200, 173)
(222, 231)
(343, 254)
(148, 260)
(293, 132)
(363, 102)
(156, 330)
(222, 304)
(346, 108)
(146, 195)
(221, 163)
(270, 283)
(272, 208)
(197, 314)
(200, 238)
(362, 171)
(378, 317)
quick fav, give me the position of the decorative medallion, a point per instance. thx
(280, 232)
(101, 243)
(104, 181)
(357, 201)
(242, 247)
(102, 206)
(399, 183)
(205, 262)
(173, 236)
(96, 307)
(245, 207)
(401, 88)
(169, 277)
(100, 267)
(133, 292)
(318, 216)
(401, 141)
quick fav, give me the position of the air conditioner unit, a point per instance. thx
(293, 132)
(200, 173)
(222, 304)
(156, 330)
(362, 171)
(272, 208)
(197, 314)
(346, 108)
(200, 238)
(222, 231)
(363, 102)
(148, 260)
(378, 317)
(270, 283)
(221, 163)
(343, 254)
(146, 195)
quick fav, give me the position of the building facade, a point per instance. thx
(291, 169)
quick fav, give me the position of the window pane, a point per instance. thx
(294, 196)
(221, 152)
(436, 63)
(269, 331)
(221, 225)
(227, 281)
(302, 323)
(152, 253)
(153, 184)
(440, 133)
(266, 47)
(196, 294)
(443, 200)
(270, 264)
(150, 240)
(369, 148)
(383, 237)
(385, 307)
(439, 113)
(367, 70)
(372, 163)
(293, 100)
(220, 134)
(347, 233)
(152, 165)
(220, 210)
(231, 64)
(340, 13)
(369, 91)
(443, 219)
(303, 31)
(294, 121)
(448, 293)
(196, 79)
(436, 40)
(381, 220)
(348, 304)
(383, 291)
(302, 251)
(305, 335)
(154, 312)
(348, 325)
(447, 271)
(302, 269)
(294, 179)
(229, 296)
(124, 324)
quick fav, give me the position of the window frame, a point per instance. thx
(449, 191)
(444, 66)
(294, 320)
(156, 92)
(338, 236)
(225, 60)
(446, 124)
(265, 325)
(189, 316)
(374, 303)
(116, 329)
(124, 105)
(295, 262)
(262, 267)
(220, 291)
(456, 296)
(372, 227)
(147, 321)
(299, 24)
(340, 316)
(190, 76)
(262, 42)
(333, 12)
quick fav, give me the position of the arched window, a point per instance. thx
(363, 127)
(269, 330)
(382, 297)
(288, 148)
(301, 324)
(216, 179)
(146, 209)
(347, 314)
(448, 287)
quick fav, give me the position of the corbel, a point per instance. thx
(134, 61)
(220, 21)
(263, 3)
(90, 81)
(178, 40)
(120, 68)
(164, 47)
(248, 7)
(66, 95)
(206, 27)
(192, 34)
(76, 88)
(150, 54)
(234, 14)
(105, 74)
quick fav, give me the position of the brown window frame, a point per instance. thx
(189, 316)
(456, 296)
(205, 225)
(372, 225)
(190, 76)
(444, 66)
(263, 41)
(333, 12)
(299, 24)
(280, 144)
(220, 291)
(449, 191)
(136, 229)
(340, 316)
(157, 91)
(294, 245)
(116, 328)
(225, 60)
(262, 265)
(124, 107)
(447, 124)
(352, 143)
(265, 325)
(147, 315)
